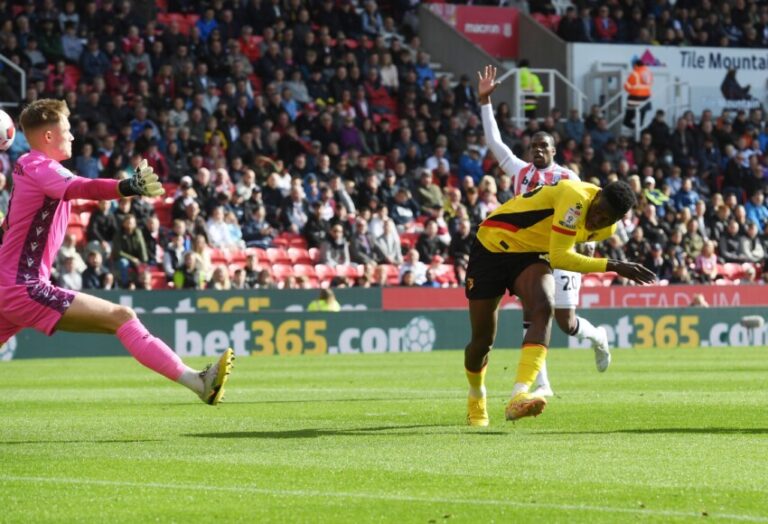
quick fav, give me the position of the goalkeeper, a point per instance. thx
(32, 235)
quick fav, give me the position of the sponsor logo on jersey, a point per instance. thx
(571, 217)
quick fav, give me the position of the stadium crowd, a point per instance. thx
(737, 23)
(307, 144)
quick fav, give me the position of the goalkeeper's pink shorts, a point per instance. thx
(38, 305)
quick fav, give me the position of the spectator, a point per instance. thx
(220, 279)
(403, 210)
(637, 248)
(325, 302)
(570, 28)
(412, 269)
(173, 256)
(730, 245)
(93, 276)
(470, 164)
(372, 21)
(252, 271)
(693, 241)
(238, 279)
(335, 250)
(429, 243)
(756, 210)
(531, 86)
(638, 87)
(257, 232)
(751, 247)
(658, 263)
(459, 249)
(686, 197)
(153, 240)
(203, 251)
(387, 245)
(219, 232)
(428, 194)
(605, 26)
(706, 263)
(465, 96)
(188, 275)
(129, 252)
(69, 276)
(361, 245)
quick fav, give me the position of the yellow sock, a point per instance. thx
(531, 360)
(476, 382)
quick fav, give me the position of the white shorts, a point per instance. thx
(567, 286)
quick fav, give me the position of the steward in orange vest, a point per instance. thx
(638, 87)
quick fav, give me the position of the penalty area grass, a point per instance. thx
(662, 436)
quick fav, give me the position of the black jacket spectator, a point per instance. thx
(102, 226)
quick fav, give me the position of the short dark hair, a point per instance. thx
(619, 196)
(544, 134)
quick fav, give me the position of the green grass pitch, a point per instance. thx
(663, 436)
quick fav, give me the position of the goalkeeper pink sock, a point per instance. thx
(150, 351)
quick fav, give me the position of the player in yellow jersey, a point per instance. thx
(516, 248)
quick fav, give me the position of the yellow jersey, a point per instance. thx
(548, 219)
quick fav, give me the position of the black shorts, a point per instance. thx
(490, 274)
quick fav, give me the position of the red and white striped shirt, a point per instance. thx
(529, 177)
(525, 176)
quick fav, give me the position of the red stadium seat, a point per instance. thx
(278, 255)
(280, 242)
(170, 188)
(164, 212)
(591, 281)
(446, 275)
(219, 256)
(733, 270)
(79, 205)
(351, 271)
(306, 270)
(314, 255)
(261, 254)
(237, 256)
(408, 240)
(280, 271)
(158, 280)
(299, 255)
(78, 230)
(324, 273)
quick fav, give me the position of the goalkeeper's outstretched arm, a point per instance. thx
(145, 183)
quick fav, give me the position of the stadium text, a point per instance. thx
(295, 337)
(717, 60)
(677, 331)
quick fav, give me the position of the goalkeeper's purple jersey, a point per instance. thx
(37, 219)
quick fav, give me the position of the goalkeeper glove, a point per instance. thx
(144, 183)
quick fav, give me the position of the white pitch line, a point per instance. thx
(382, 497)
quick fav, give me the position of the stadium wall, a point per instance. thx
(352, 332)
(419, 298)
(455, 51)
(704, 69)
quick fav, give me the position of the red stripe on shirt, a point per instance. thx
(502, 225)
(564, 231)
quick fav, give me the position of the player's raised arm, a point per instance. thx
(487, 84)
